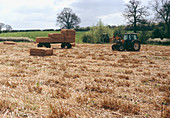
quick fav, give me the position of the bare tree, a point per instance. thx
(1, 26)
(135, 13)
(8, 27)
(162, 13)
(67, 19)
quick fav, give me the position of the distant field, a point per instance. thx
(33, 35)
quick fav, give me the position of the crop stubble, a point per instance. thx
(89, 80)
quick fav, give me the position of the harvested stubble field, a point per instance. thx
(89, 80)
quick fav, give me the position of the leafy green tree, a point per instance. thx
(96, 33)
(157, 33)
(119, 31)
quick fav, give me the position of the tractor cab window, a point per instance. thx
(135, 37)
(125, 37)
(132, 37)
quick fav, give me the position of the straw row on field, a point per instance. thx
(16, 39)
(159, 41)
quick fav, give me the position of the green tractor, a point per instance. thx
(130, 42)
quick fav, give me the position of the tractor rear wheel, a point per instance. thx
(121, 48)
(136, 46)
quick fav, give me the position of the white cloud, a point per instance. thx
(63, 3)
(126, 1)
(113, 19)
(91, 11)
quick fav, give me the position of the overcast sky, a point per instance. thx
(42, 14)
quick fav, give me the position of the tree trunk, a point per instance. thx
(134, 25)
(168, 30)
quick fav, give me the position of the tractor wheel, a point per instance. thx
(63, 45)
(69, 46)
(128, 49)
(136, 46)
(121, 48)
(113, 47)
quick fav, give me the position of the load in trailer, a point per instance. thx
(66, 37)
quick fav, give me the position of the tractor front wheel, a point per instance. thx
(113, 47)
(121, 48)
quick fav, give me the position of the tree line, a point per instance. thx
(136, 14)
(7, 27)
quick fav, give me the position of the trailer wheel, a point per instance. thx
(47, 45)
(63, 45)
(69, 46)
(40, 45)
